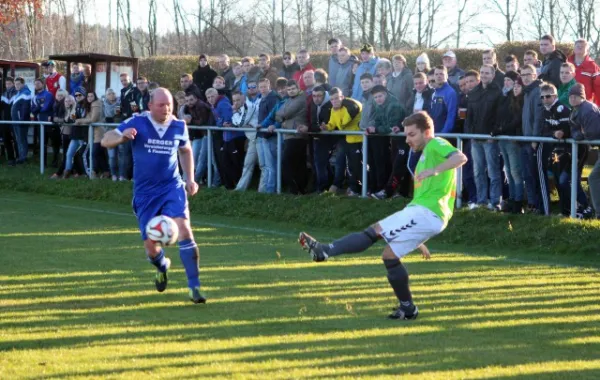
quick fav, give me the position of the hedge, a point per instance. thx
(167, 70)
(477, 230)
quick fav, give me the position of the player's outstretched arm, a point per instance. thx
(113, 138)
(455, 160)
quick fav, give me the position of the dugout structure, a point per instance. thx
(28, 70)
(106, 69)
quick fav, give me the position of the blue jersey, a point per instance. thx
(155, 165)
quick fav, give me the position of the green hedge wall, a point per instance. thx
(167, 70)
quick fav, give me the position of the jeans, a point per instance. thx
(201, 161)
(487, 155)
(113, 162)
(125, 159)
(73, 146)
(250, 162)
(527, 165)
(21, 132)
(511, 152)
(267, 153)
(467, 174)
(340, 163)
(322, 146)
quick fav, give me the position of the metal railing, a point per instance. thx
(459, 137)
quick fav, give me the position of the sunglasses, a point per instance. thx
(547, 96)
(252, 87)
(287, 58)
(78, 96)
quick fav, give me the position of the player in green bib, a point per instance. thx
(423, 218)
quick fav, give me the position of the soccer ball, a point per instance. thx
(163, 230)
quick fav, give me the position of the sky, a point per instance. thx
(98, 10)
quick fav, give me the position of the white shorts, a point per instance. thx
(407, 229)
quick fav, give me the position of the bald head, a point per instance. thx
(161, 104)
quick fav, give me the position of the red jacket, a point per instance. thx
(588, 74)
(298, 75)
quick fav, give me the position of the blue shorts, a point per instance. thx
(172, 204)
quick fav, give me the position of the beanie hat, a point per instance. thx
(577, 90)
(423, 57)
(512, 76)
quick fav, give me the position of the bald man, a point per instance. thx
(157, 137)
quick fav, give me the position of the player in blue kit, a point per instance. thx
(156, 138)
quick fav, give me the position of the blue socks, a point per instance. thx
(159, 261)
(190, 257)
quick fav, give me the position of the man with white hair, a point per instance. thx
(454, 72)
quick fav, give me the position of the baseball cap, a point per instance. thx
(450, 54)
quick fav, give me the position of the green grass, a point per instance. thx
(77, 300)
(485, 231)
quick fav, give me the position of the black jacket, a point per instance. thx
(585, 121)
(203, 78)
(129, 94)
(288, 71)
(510, 116)
(551, 67)
(556, 119)
(499, 77)
(319, 115)
(6, 103)
(427, 95)
(482, 109)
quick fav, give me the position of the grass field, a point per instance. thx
(77, 300)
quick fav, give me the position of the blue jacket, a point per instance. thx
(42, 105)
(444, 105)
(270, 120)
(21, 105)
(266, 106)
(364, 67)
(223, 112)
(75, 82)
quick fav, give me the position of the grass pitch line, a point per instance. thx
(279, 233)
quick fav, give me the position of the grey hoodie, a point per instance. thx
(342, 77)
(532, 110)
(401, 86)
(368, 105)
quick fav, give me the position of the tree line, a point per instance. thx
(33, 29)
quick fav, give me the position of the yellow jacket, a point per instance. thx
(346, 118)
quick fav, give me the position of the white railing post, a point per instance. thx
(574, 177)
(365, 159)
(279, 153)
(459, 187)
(42, 149)
(90, 149)
(209, 160)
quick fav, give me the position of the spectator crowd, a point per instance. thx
(548, 95)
